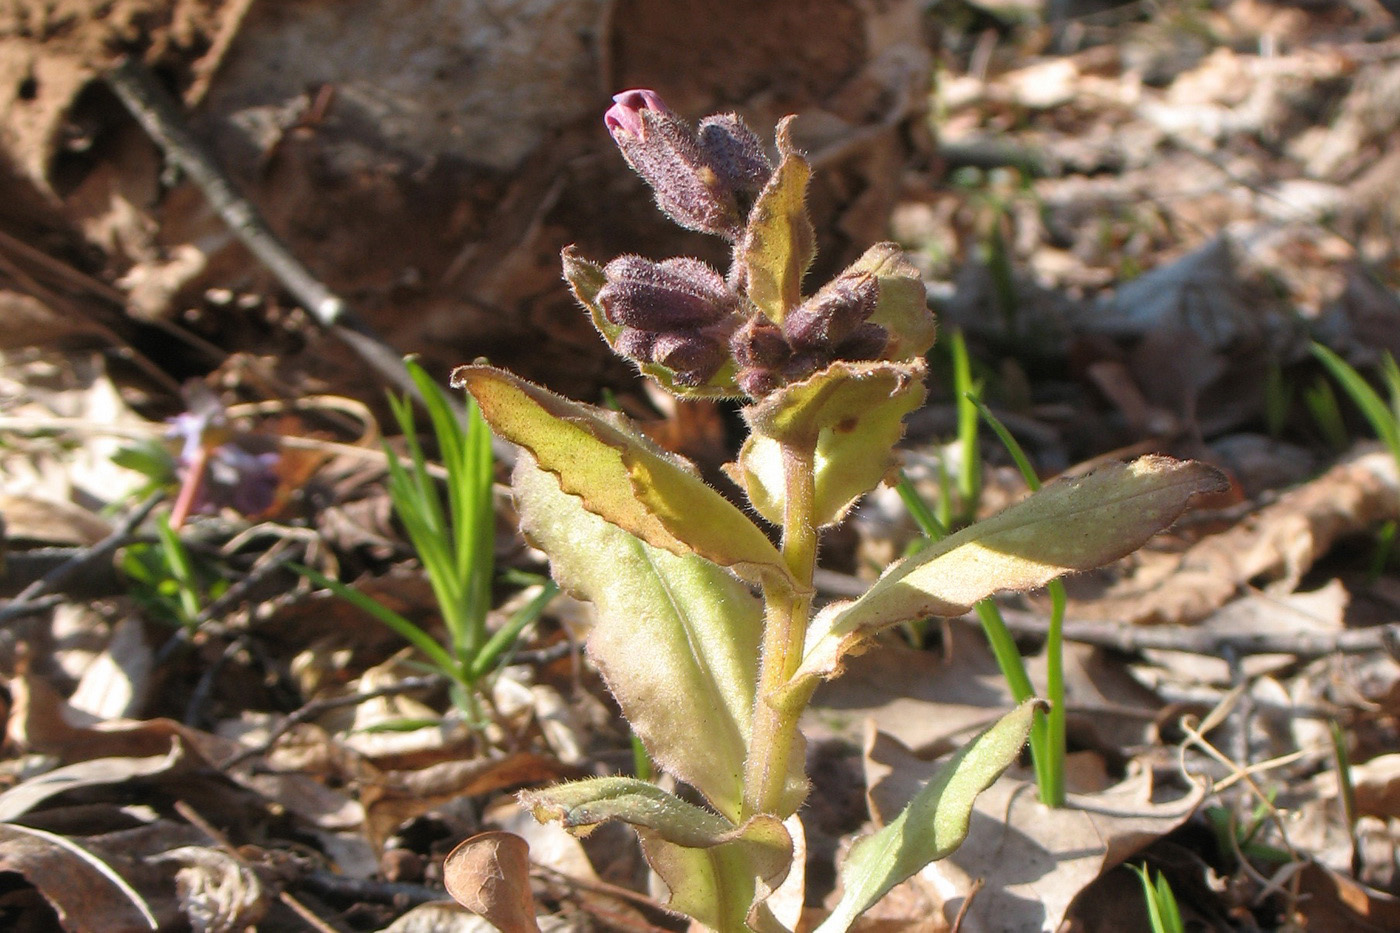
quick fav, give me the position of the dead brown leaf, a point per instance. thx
(490, 874)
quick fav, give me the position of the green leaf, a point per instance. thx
(622, 477)
(676, 638)
(852, 414)
(903, 304)
(1071, 525)
(779, 243)
(934, 823)
(586, 279)
(717, 872)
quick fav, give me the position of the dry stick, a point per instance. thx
(196, 819)
(316, 707)
(30, 596)
(160, 116)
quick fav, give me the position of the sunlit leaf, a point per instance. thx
(934, 823)
(850, 413)
(903, 305)
(676, 638)
(716, 871)
(1068, 526)
(621, 476)
(779, 243)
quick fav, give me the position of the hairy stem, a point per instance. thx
(784, 631)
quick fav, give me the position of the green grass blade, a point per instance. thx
(507, 635)
(1382, 416)
(970, 471)
(923, 516)
(401, 626)
(177, 560)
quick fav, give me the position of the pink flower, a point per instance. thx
(625, 115)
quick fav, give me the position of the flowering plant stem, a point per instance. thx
(671, 564)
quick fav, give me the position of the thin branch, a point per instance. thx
(161, 116)
(55, 579)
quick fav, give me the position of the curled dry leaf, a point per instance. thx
(490, 874)
(88, 895)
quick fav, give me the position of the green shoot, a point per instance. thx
(1048, 735)
(455, 543)
(167, 581)
(1384, 418)
(1322, 402)
(967, 391)
(1162, 909)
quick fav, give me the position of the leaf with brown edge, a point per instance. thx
(850, 414)
(1071, 525)
(779, 242)
(718, 873)
(621, 477)
(902, 308)
(489, 874)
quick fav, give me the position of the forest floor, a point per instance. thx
(1139, 222)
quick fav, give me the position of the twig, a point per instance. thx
(397, 893)
(160, 116)
(317, 707)
(24, 603)
(194, 818)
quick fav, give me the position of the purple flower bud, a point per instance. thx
(757, 383)
(693, 357)
(760, 344)
(666, 152)
(678, 294)
(735, 153)
(832, 314)
(867, 342)
(625, 114)
(635, 344)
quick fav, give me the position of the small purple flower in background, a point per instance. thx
(217, 468)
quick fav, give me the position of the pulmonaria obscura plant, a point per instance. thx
(706, 631)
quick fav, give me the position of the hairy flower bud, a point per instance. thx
(678, 294)
(693, 357)
(759, 343)
(667, 153)
(832, 314)
(634, 344)
(735, 153)
(867, 342)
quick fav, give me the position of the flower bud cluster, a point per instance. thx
(704, 178)
(683, 315)
(831, 325)
(676, 313)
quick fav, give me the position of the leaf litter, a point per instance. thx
(1138, 228)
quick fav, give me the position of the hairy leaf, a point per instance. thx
(717, 872)
(1068, 526)
(622, 477)
(851, 413)
(779, 243)
(677, 638)
(933, 824)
